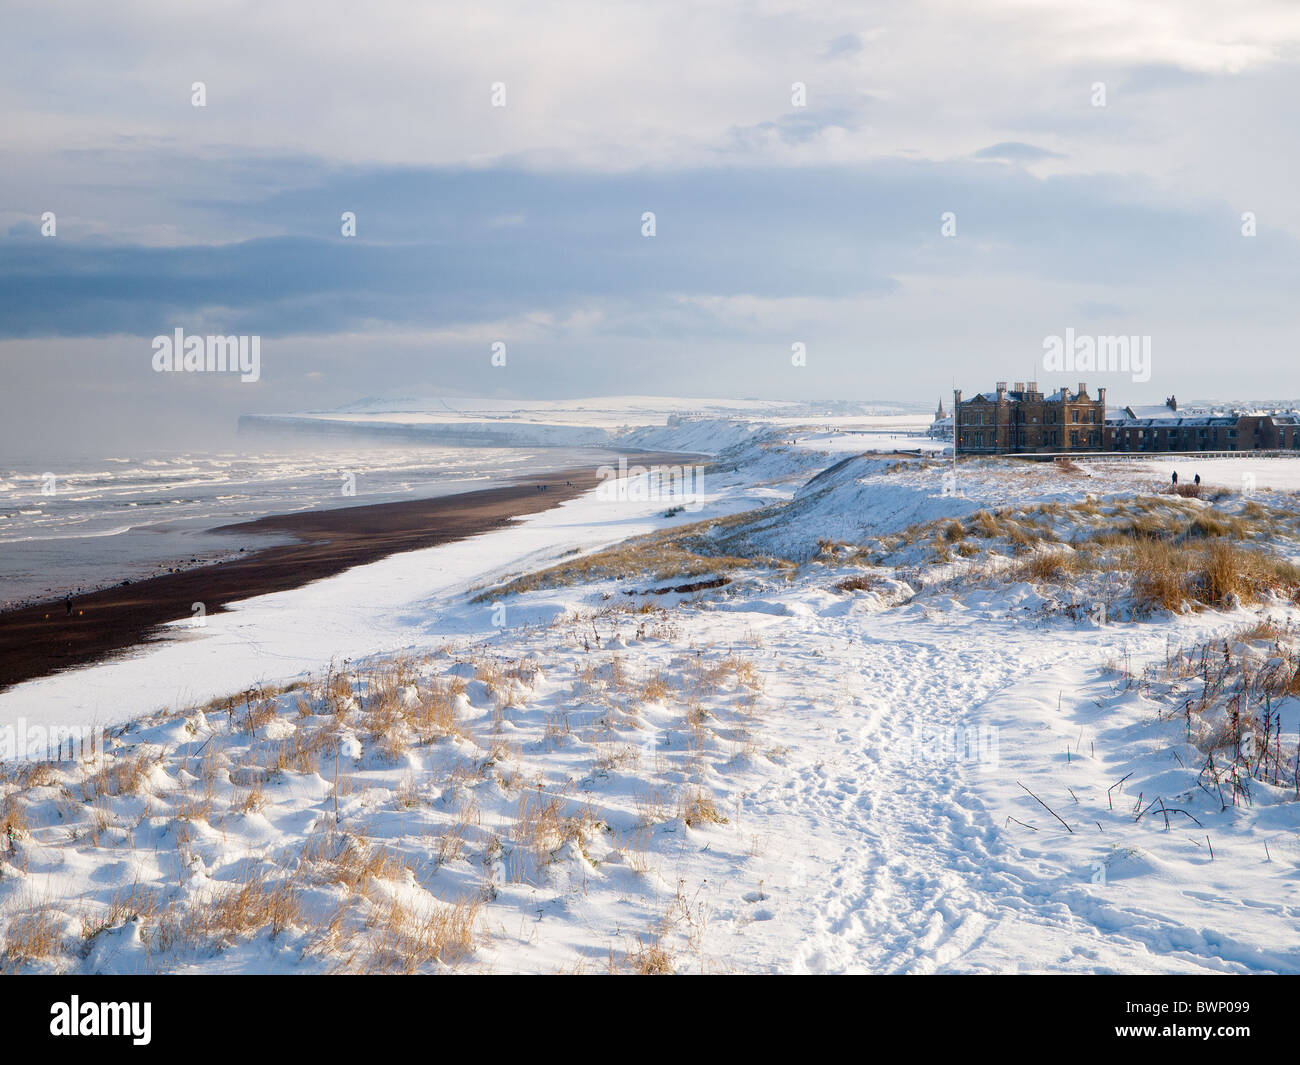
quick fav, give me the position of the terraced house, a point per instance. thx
(1023, 420)
(1204, 432)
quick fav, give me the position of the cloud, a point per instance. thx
(1016, 152)
(844, 45)
(432, 251)
(774, 222)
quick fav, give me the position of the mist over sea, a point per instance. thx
(83, 521)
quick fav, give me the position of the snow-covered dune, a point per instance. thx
(767, 734)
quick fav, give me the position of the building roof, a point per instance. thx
(1195, 421)
(1152, 412)
(1061, 395)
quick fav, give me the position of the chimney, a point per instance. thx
(1083, 387)
(1020, 386)
(1172, 403)
(1101, 398)
(1033, 386)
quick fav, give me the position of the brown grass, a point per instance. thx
(404, 941)
(136, 901)
(685, 551)
(650, 959)
(697, 808)
(228, 914)
(29, 937)
(1166, 575)
(13, 822)
(350, 860)
(952, 532)
(125, 776)
(1043, 566)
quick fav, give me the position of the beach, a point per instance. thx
(44, 638)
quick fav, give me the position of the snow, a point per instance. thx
(652, 423)
(1245, 473)
(878, 757)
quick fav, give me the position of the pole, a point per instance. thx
(955, 426)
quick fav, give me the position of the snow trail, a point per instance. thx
(903, 863)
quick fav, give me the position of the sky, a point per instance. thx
(918, 193)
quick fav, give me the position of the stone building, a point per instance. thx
(1023, 420)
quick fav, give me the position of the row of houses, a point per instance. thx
(1024, 420)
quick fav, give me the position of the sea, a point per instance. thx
(84, 521)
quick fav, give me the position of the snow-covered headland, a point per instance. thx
(838, 711)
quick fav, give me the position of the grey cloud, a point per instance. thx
(1017, 152)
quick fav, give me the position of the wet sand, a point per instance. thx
(38, 640)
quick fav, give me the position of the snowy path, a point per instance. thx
(899, 850)
(896, 863)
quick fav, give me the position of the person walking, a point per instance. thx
(1175, 476)
(1197, 479)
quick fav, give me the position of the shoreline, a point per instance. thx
(42, 639)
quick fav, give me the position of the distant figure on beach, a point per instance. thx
(1175, 476)
(1197, 478)
(68, 604)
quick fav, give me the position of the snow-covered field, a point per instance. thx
(835, 719)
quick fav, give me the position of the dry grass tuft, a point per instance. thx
(222, 917)
(29, 937)
(404, 941)
(1045, 566)
(650, 959)
(125, 776)
(1166, 575)
(13, 822)
(697, 808)
(351, 860)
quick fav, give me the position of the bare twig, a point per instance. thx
(1114, 786)
(1045, 807)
